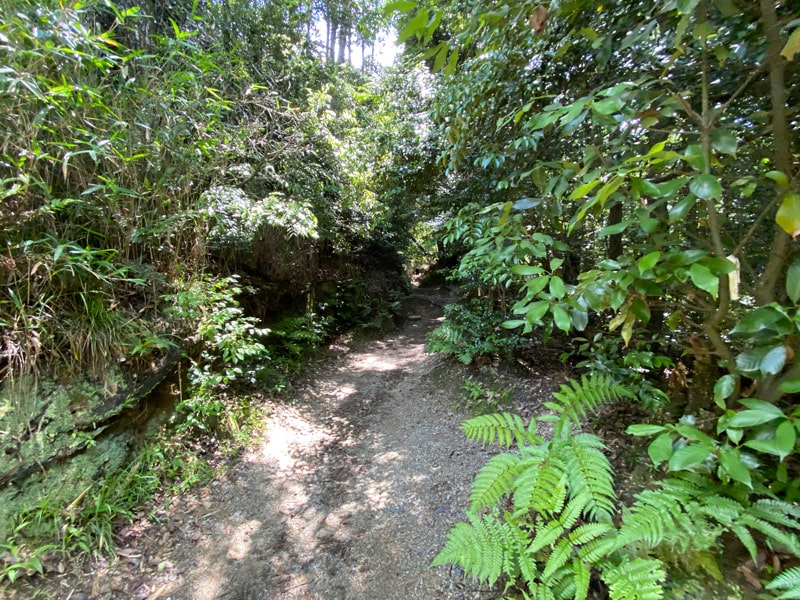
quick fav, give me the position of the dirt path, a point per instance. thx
(348, 496)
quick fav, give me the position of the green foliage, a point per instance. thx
(86, 523)
(544, 518)
(230, 352)
(483, 399)
(788, 583)
(472, 331)
(575, 400)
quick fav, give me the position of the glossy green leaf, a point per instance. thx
(582, 190)
(785, 438)
(526, 270)
(695, 156)
(791, 386)
(793, 281)
(706, 186)
(580, 319)
(614, 229)
(763, 323)
(660, 449)
(399, 6)
(415, 26)
(680, 209)
(688, 456)
(704, 279)
(513, 323)
(792, 46)
(535, 286)
(561, 318)
(557, 287)
(788, 217)
(774, 360)
(723, 389)
(733, 465)
(750, 418)
(692, 433)
(722, 140)
(648, 261)
(641, 429)
(778, 177)
(536, 311)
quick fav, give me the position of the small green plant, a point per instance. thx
(471, 331)
(231, 352)
(482, 399)
(634, 366)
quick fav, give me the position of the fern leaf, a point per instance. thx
(502, 428)
(477, 547)
(639, 579)
(526, 560)
(787, 540)
(589, 472)
(582, 577)
(776, 511)
(599, 548)
(493, 481)
(589, 531)
(545, 536)
(578, 398)
(572, 512)
(655, 514)
(747, 540)
(557, 559)
(789, 581)
(539, 486)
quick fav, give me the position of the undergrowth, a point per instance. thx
(544, 521)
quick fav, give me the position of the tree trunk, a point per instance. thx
(765, 288)
(342, 43)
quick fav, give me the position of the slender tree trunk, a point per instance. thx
(342, 42)
(779, 251)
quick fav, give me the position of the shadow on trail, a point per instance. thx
(352, 491)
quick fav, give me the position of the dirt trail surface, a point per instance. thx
(348, 496)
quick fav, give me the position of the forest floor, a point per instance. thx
(347, 493)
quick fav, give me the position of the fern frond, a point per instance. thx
(539, 486)
(477, 547)
(598, 549)
(589, 473)
(576, 399)
(639, 579)
(582, 577)
(572, 512)
(789, 581)
(502, 428)
(787, 540)
(493, 481)
(657, 514)
(545, 536)
(776, 511)
(589, 531)
(559, 556)
(747, 540)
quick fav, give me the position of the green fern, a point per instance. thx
(478, 547)
(576, 399)
(504, 429)
(493, 481)
(639, 579)
(789, 581)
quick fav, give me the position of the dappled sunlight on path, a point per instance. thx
(351, 491)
